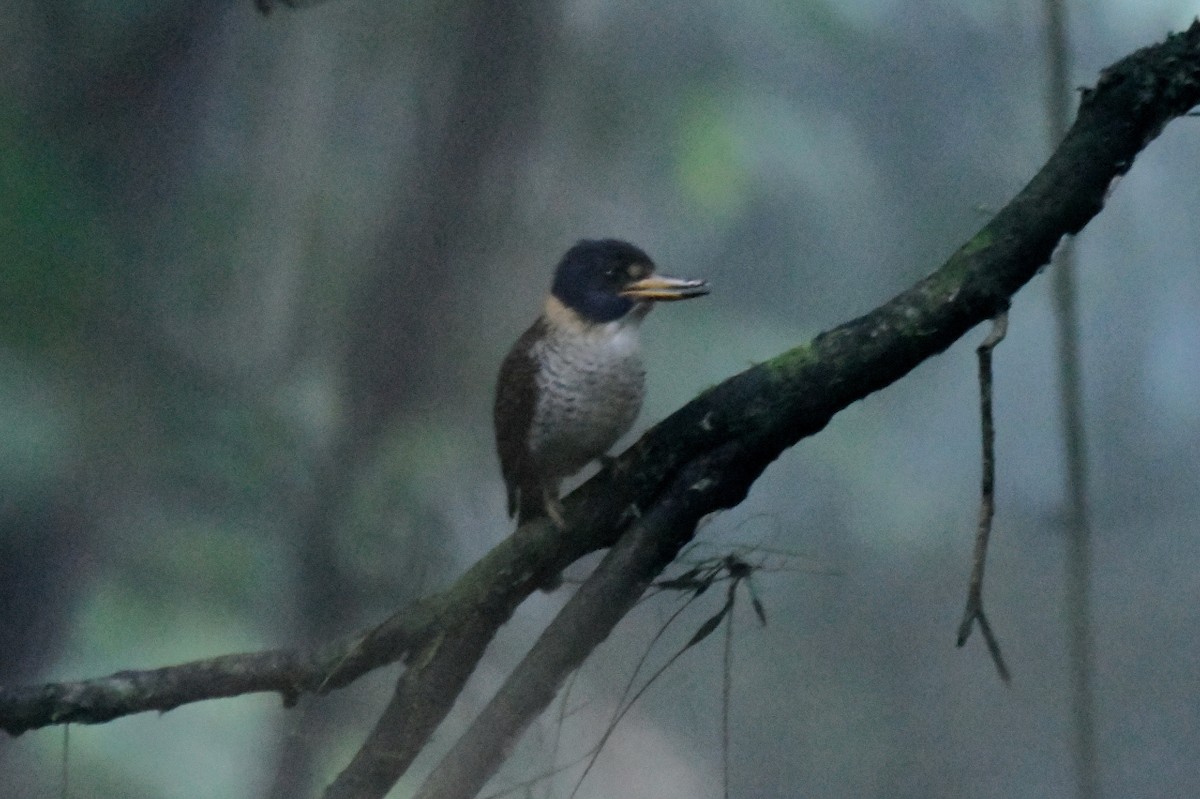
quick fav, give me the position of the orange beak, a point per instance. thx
(659, 288)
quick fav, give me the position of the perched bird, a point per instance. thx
(573, 383)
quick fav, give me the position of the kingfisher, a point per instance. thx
(573, 383)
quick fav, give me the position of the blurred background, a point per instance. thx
(257, 274)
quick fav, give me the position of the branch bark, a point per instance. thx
(770, 407)
(749, 419)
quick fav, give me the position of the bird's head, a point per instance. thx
(606, 279)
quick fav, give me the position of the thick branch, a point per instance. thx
(772, 406)
(765, 409)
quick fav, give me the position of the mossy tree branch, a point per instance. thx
(756, 414)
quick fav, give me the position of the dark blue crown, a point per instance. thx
(591, 275)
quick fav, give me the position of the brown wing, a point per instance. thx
(516, 399)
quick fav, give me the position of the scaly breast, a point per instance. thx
(590, 389)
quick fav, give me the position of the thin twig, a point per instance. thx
(714, 571)
(624, 704)
(987, 503)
